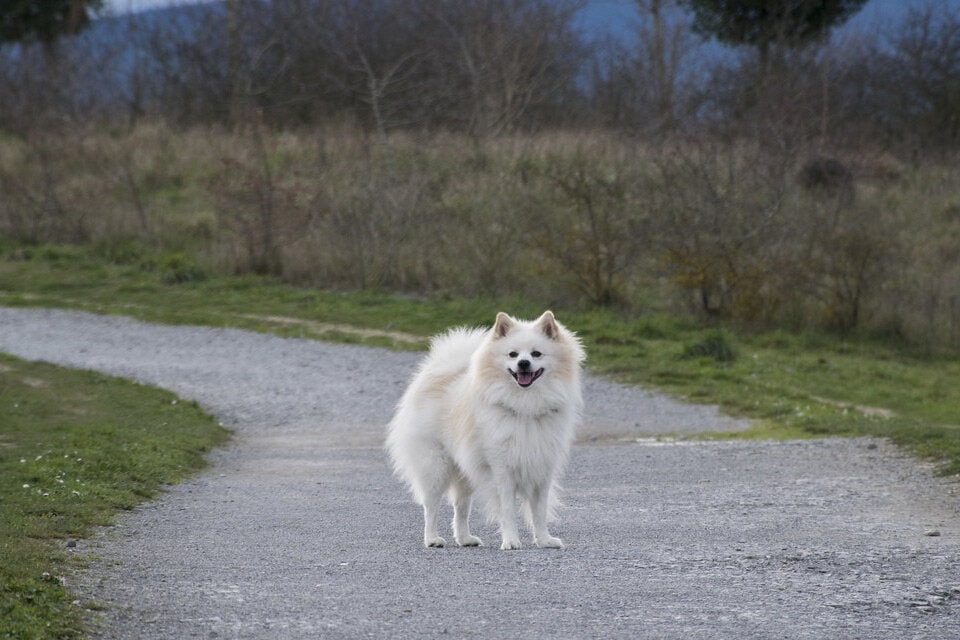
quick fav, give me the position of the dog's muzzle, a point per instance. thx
(524, 375)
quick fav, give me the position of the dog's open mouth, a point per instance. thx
(526, 378)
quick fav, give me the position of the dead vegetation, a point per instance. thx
(724, 230)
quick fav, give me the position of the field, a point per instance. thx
(727, 232)
(723, 274)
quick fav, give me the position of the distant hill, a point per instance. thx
(598, 18)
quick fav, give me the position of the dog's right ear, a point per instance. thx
(503, 325)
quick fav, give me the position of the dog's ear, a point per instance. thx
(547, 324)
(503, 325)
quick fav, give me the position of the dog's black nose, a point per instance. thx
(523, 365)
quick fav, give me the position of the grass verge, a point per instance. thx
(793, 385)
(75, 448)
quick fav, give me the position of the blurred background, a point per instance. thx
(773, 163)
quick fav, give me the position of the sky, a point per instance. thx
(127, 6)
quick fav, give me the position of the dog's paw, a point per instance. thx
(434, 542)
(470, 541)
(549, 543)
(510, 545)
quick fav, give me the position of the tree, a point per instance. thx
(647, 85)
(920, 77)
(44, 20)
(375, 59)
(769, 25)
(502, 61)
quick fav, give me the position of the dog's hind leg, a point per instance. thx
(431, 505)
(433, 480)
(460, 496)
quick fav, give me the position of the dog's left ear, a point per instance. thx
(548, 325)
(503, 325)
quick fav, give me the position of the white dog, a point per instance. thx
(491, 411)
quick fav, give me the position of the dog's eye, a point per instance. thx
(536, 354)
(513, 354)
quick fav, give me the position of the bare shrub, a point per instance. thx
(482, 209)
(921, 296)
(828, 178)
(369, 236)
(59, 187)
(373, 222)
(258, 192)
(850, 262)
(590, 224)
(721, 227)
(32, 209)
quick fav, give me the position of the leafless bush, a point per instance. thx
(251, 207)
(828, 179)
(850, 259)
(737, 230)
(590, 222)
(721, 226)
(921, 299)
(485, 66)
(59, 187)
(369, 235)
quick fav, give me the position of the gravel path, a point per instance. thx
(299, 531)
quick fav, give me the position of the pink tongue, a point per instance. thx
(524, 377)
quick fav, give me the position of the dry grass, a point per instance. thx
(571, 218)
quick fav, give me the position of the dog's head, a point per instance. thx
(528, 350)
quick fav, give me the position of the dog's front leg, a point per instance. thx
(461, 514)
(508, 516)
(539, 507)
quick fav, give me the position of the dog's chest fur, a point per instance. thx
(527, 448)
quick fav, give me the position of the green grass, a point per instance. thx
(76, 447)
(795, 384)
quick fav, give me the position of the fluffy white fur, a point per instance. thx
(493, 412)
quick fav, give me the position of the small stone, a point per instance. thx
(71, 544)
(932, 533)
